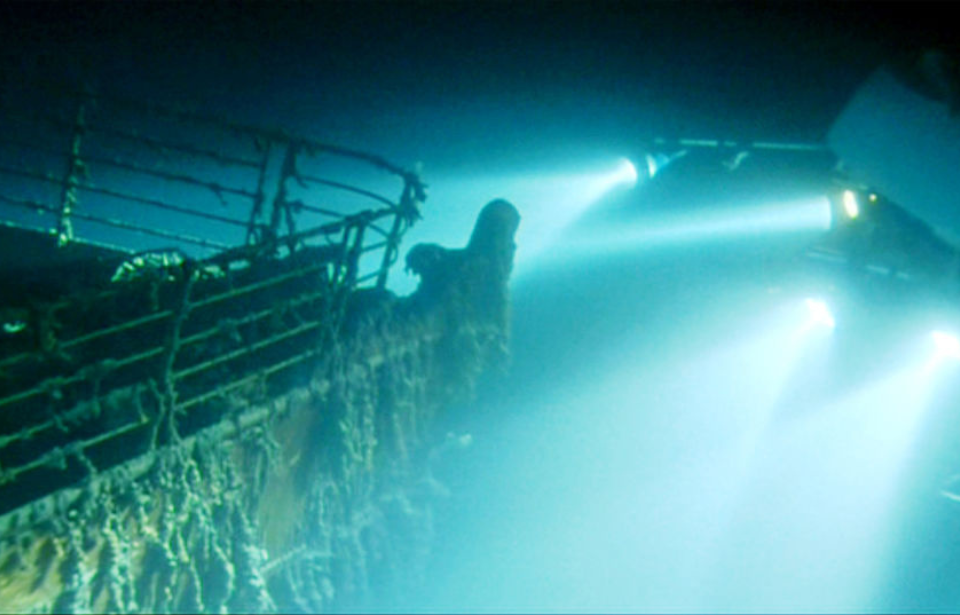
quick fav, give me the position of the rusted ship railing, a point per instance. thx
(233, 253)
(110, 171)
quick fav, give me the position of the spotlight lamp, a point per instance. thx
(655, 161)
(820, 313)
(947, 344)
(627, 173)
(851, 204)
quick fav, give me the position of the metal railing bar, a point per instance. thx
(321, 210)
(250, 318)
(330, 228)
(235, 127)
(48, 383)
(101, 244)
(131, 324)
(327, 229)
(266, 371)
(132, 468)
(41, 207)
(99, 333)
(28, 204)
(374, 246)
(382, 232)
(236, 292)
(166, 313)
(177, 177)
(138, 465)
(377, 161)
(312, 146)
(27, 227)
(368, 276)
(33, 174)
(252, 348)
(348, 188)
(51, 456)
(221, 430)
(152, 108)
(36, 175)
(129, 226)
(160, 204)
(124, 326)
(157, 144)
(271, 134)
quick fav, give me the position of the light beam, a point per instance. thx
(626, 174)
(809, 215)
(820, 313)
(947, 345)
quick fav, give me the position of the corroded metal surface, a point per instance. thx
(248, 429)
(305, 494)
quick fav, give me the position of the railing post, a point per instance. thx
(355, 249)
(281, 204)
(256, 210)
(407, 212)
(167, 387)
(71, 179)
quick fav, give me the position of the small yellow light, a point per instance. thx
(873, 198)
(850, 204)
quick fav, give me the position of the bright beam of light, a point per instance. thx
(947, 345)
(790, 339)
(671, 442)
(596, 185)
(850, 204)
(626, 479)
(794, 336)
(626, 175)
(716, 410)
(807, 215)
(549, 201)
(820, 313)
(550, 204)
(823, 491)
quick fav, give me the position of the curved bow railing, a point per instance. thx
(232, 252)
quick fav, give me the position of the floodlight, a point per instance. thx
(820, 313)
(658, 161)
(652, 166)
(627, 174)
(948, 345)
(850, 204)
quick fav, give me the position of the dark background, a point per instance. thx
(460, 82)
